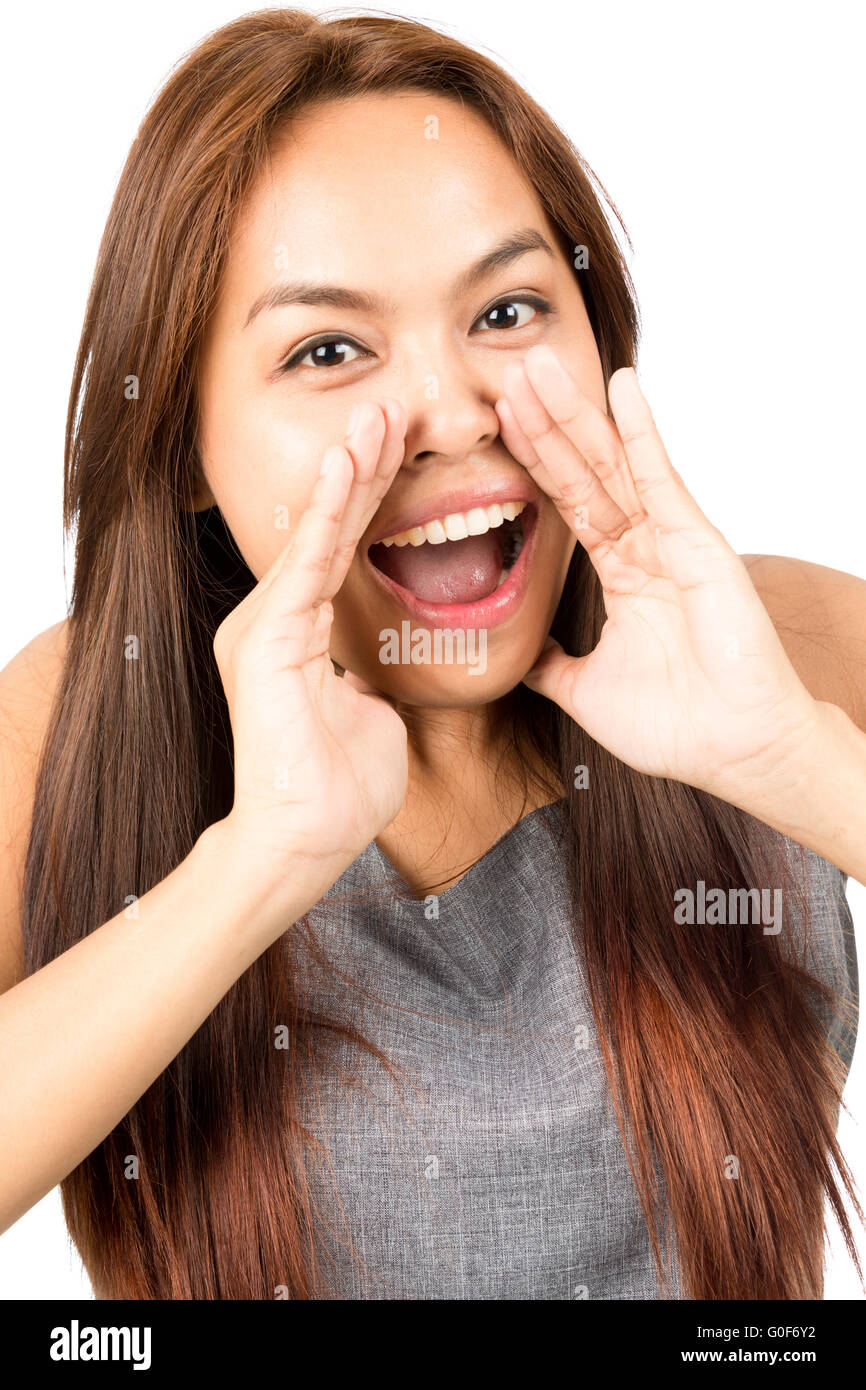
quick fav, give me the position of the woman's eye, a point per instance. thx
(331, 352)
(507, 314)
(325, 353)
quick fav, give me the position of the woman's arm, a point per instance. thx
(817, 796)
(820, 616)
(84, 1037)
(815, 792)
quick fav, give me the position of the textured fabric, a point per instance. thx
(497, 1170)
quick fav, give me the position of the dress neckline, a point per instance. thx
(506, 841)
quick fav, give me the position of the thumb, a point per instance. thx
(364, 687)
(554, 675)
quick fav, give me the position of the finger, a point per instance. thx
(520, 447)
(364, 687)
(554, 675)
(662, 492)
(364, 442)
(393, 447)
(579, 494)
(376, 446)
(301, 579)
(590, 430)
(320, 632)
(391, 457)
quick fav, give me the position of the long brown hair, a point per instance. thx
(712, 1041)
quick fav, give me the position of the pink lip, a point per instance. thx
(487, 612)
(445, 503)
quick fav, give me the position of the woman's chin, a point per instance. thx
(477, 679)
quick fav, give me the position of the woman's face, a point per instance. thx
(397, 198)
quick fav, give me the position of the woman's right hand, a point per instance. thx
(320, 760)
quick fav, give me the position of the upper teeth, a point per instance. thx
(457, 525)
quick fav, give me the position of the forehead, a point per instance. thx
(412, 185)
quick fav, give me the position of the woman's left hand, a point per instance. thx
(689, 679)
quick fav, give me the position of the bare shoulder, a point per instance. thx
(28, 684)
(820, 616)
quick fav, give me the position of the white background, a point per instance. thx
(730, 137)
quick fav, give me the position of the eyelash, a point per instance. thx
(543, 308)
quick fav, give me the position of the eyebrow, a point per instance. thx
(340, 297)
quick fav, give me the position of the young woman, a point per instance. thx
(362, 939)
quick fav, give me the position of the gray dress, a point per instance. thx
(495, 1169)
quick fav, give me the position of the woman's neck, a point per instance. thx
(467, 787)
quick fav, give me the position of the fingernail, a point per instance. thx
(353, 418)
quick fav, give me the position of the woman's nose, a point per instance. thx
(449, 404)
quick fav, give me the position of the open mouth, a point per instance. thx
(467, 569)
(459, 559)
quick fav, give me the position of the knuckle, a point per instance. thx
(581, 490)
(619, 529)
(537, 433)
(531, 461)
(637, 434)
(572, 420)
(655, 483)
(608, 466)
(333, 514)
(318, 564)
(346, 550)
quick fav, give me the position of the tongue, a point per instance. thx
(453, 572)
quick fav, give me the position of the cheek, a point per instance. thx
(261, 469)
